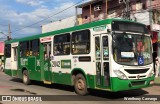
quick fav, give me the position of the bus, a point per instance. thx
(110, 55)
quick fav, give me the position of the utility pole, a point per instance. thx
(128, 9)
(9, 32)
(106, 8)
(150, 14)
(126, 12)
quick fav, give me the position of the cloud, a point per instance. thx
(31, 2)
(20, 20)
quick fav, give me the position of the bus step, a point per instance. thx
(47, 82)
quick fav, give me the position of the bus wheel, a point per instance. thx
(26, 79)
(80, 85)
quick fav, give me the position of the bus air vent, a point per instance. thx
(136, 71)
(138, 83)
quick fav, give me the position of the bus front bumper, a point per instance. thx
(120, 85)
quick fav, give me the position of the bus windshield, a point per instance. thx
(132, 49)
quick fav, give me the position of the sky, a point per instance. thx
(22, 14)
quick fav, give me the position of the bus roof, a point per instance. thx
(62, 31)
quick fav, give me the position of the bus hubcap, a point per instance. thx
(25, 77)
(80, 84)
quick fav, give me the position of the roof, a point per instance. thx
(88, 3)
(67, 30)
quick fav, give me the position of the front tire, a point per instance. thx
(26, 79)
(80, 85)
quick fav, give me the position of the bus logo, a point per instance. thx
(65, 63)
(138, 76)
(99, 28)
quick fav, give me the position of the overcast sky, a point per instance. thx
(22, 13)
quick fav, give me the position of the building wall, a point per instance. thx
(61, 24)
(116, 10)
(98, 15)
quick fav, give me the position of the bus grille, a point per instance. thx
(137, 83)
(136, 71)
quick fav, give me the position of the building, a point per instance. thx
(61, 24)
(145, 11)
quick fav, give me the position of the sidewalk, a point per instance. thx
(157, 80)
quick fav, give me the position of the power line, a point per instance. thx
(49, 16)
(3, 25)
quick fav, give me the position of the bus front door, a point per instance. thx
(102, 61)
(46, 61)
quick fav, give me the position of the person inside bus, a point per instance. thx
(122, 44)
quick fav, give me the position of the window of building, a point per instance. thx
(34, 47)
(8, 50)
(86, 17)
(62, 44)
(81, 42)
(24, 48)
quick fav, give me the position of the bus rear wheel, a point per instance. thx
(80, 85)
(26, 79)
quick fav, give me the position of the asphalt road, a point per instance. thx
(65, 94)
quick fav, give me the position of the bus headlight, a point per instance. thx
(120, 74)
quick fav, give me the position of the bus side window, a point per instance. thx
(97, 47)
(81, 42)
(105, 48)
(34, 47)
(8, 50)
(62, 44)
(24, 48)
(45, 52)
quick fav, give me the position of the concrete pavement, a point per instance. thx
(10, 86)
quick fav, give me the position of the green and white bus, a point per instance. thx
(110, 55)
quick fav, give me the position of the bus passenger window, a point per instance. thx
(105, 48)
(24, 48)
(97, 48)
(81, 42)
(34, 47)
(62, 44)
(8, 50)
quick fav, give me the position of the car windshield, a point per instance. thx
(132, 49)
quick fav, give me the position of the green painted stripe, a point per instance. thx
(62, 78)
(91, 81)
(75, 28)
(120, 85)
(8, 72)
